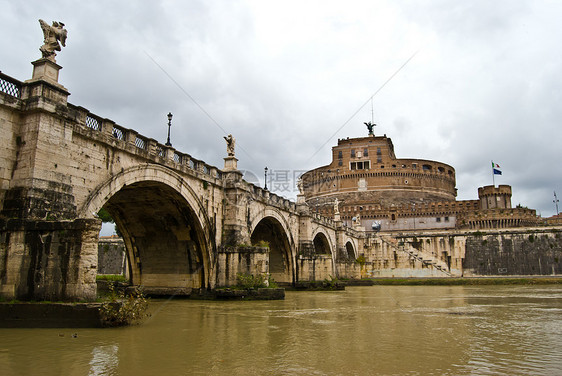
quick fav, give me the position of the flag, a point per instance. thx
(496, 168)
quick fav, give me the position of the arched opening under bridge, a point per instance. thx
(270, 231)
(350, 250)
(321, 244)
(164, 238)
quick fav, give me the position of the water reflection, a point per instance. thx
(104, 360)
(388, 330)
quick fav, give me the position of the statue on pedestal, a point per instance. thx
(52, 35)
(230, 142)
(336, 207)
(300, 185)
(370, 127)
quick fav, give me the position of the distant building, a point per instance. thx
(554, 220)
(378, 191)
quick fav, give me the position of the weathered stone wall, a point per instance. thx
(9, 142)
(112, 256)
(48, 260)
(315, 268)
(532, 252)
(242, 259)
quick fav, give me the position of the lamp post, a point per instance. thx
(168, 143)
(556, 202)
(265, 186)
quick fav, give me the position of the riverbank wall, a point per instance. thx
(454, 253)
(421, 254)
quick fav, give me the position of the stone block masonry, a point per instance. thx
(530, 252)
(48, 260)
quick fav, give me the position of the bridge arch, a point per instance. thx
(271, 227)
(322, 243)
(165, 226)
(351, 249)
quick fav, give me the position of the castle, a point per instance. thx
(377, 191)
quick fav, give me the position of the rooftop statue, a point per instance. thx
(52, 35)
(370, 127)
(230, 142)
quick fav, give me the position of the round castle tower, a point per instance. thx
(366, 171)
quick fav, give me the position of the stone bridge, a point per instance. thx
(186, 224)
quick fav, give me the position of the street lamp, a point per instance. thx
(556, 202)
(265, 170)
(168, 143)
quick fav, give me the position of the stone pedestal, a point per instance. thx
(230, 163)
(46, 70)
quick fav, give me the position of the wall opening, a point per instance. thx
(269, 230)
(321, 245)
(163, 237)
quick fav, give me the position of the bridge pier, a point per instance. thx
(48, 260)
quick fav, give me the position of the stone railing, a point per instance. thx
(10, 85)
(146, 147)
(271, 198)
(324, 220)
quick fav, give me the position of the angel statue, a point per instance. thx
(336, 206)
(370, 127)
(300, 185)
(230, 142)
(52, 35)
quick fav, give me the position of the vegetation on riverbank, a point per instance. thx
(111, 277)
(123, 308)
(246, 281)
(480, 281)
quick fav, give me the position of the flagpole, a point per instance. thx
(493, 175)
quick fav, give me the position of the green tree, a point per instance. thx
(107, 218)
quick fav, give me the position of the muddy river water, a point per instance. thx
(386, 330)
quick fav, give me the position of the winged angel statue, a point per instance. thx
(52, 35)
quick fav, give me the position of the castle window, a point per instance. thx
(426, 167)
(379, 151)
(438, 219)
(441, 169)
(340, 154)
(446, 219)
(366, 152)
(352, 153)
(403, 166)
(340, 163)
(414, 165)
(365, 165)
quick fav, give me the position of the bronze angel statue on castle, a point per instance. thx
(52, 35)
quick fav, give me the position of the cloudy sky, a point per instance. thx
(460, 82)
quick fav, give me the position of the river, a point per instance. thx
(377, 330)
